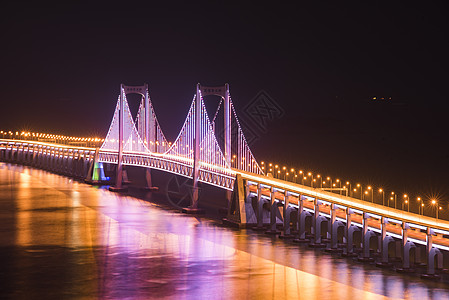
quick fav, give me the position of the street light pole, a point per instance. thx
(383, 196)
(437, 207)
(407, 201)
(339, 185)
(372, 194)
(361, 190)
(395, 198)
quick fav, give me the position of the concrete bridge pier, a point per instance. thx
(149, 184)
(287, 211)
(366, 236)
(260, 202)
(328, 237)
(316, 225)
(302, 215)
(334, 225)
(432, 254)
(274, 211)
(385, 240)
(349, 234)
(20, 152)
(406, 247)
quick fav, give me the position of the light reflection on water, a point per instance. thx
(66, 239)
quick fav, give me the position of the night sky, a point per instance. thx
(61, 68)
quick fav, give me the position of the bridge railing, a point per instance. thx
(64, 159)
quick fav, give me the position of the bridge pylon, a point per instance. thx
(193, 208)
(119, 173)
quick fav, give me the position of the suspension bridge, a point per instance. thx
(307, 215)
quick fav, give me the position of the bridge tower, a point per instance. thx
(148, 130)
(119, 173)
(223, 92)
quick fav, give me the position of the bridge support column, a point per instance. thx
(260, 203)
(431, 252)
(349, 233)
(95, 174)
(20, 153)
(406, 247)
(366, 236)
(317, 219)
(334, 224)
(302, 214)
(286, 233)
(274, 209)
(148, 181)
(240, 212)
(385, 240)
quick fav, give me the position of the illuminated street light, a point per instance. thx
(311, 178)
(319, 178)
(383, 196)
(395, 198)
(349, 185)
(361, 190)
(372, 194)
(419, 206)
(437, 208)
(330, 181)
(339, 185)
(407, 202)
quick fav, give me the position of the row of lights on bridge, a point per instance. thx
(326, 183)
(24, 134)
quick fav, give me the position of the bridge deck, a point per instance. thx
(417, 223)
